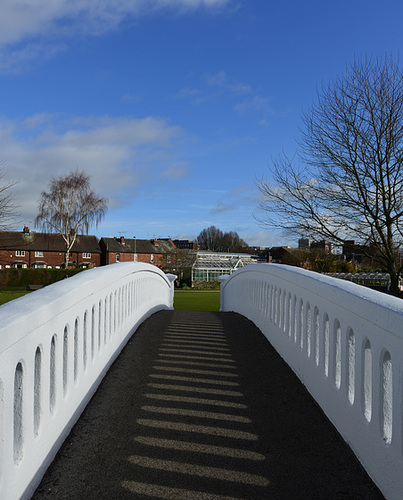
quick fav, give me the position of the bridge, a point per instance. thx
(223, 409)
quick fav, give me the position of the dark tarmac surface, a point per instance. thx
(200, 406)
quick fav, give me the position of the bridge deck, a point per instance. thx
(200, 406)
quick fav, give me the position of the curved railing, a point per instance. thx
(56, 345)
(345, 342)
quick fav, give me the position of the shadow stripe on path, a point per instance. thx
(158, 427)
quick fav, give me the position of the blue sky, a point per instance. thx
(175, 108)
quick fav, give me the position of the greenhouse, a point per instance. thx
(200, 267)
(209, 266)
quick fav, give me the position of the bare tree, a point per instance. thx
(70, 207)
(346, 183)
(210, 239)
(232, 242)
(216, 240)
(8, 209)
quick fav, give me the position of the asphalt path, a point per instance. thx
(199, 406)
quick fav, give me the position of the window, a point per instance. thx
(86, 255)
(118, 257)
(152, 258)
(38, 253)
(135, 257)
(20, 253)
(168, 259)
(39, 265)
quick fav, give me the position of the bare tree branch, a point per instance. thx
(8, 209)
(348, 182)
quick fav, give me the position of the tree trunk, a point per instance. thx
(394, 282)
(66, 257)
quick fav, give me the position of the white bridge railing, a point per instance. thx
(345, 342)
(55, 347)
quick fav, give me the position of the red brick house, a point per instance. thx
(44, 250)
(159, 252)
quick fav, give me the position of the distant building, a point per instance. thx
(186, 244)
(322, 245)
(283, 255)
(46, 250)
(308, 244)
(263, 253)
(304, 243)
(159, 252)
(353, 252)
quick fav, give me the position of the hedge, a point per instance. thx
(22, 278)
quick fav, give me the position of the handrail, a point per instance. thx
(56, 345)
(345, 342)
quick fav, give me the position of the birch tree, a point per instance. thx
(70, 207)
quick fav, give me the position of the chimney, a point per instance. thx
(156, 242)
(25, 230)
(122, 240)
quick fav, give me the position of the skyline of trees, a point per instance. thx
(215, 240)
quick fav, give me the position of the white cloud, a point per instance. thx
(266, 239)
(36, 30)
(257, 103)
(15, 59)
(175, 173)
(121, 155)
(221, 82)
(20, 19)
(222, 207)
(188, 92)
(184, 236)
(131, 99)
(218, 79)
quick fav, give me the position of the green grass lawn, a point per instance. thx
(6, 296)
(197, 300)
(185, 300)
